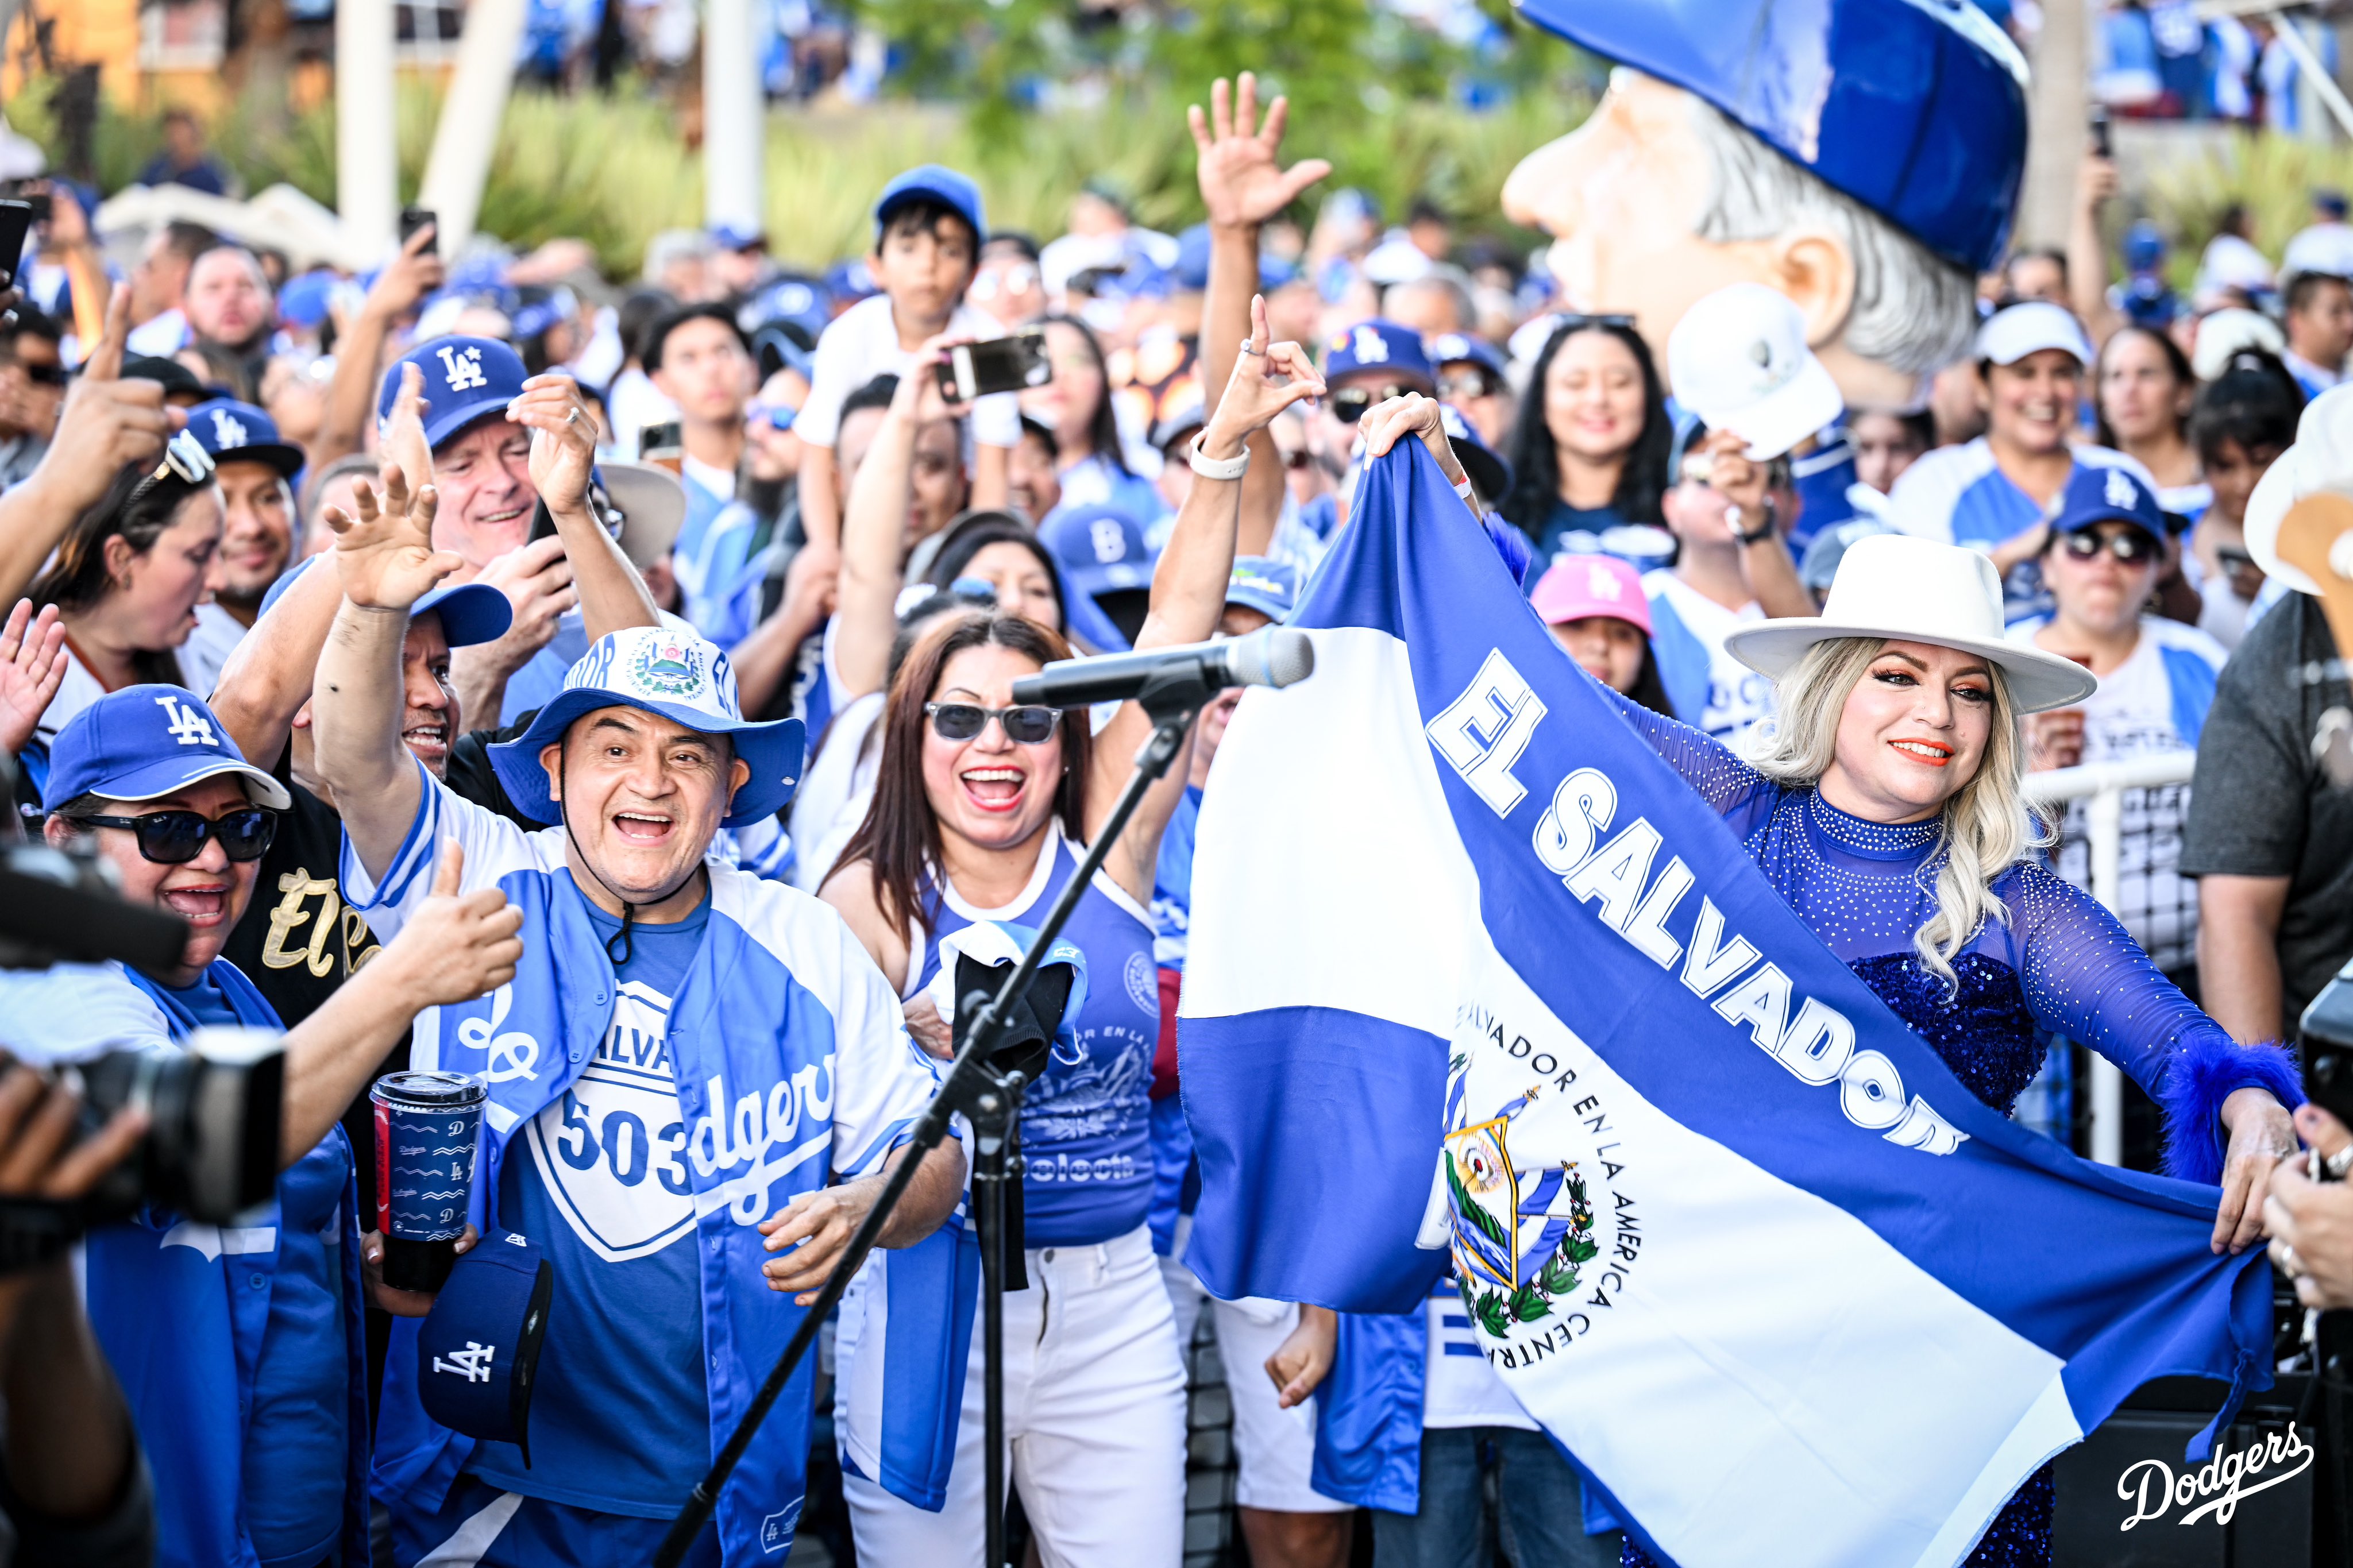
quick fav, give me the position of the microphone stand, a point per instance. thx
(991, 1101)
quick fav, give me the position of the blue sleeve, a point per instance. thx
(1733, 790)
(2087, 978)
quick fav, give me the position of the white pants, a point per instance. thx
(1274, 1449)
(1094, 1423)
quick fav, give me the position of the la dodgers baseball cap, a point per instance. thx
(236, 432)
(144, 741)
(1576, 587)
(1461, 348)
(2094, 496)
(1738, 360)
(678, 675)
(466, 379)
(470, 612)
(2009, 335)
(1376, 344)
(931, 182)
(478, 1349)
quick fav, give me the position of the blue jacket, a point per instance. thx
(794, 1072)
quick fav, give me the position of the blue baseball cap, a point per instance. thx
(478, 1349)
(470, 612)
(236, 432)
(929, 182)
(850, 282)
(1487, 470)
(1270, 587)
(1100, 549)
(143, 742)
(2144, 246)
(466, 379)
(739, 236)
(2100, 495)
(680, 677)
(303, 301)
(1378, 345)
(1914, 108)
(1461, 348)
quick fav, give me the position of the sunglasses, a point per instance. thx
(1029, 726)
(176, 837)
(1348, 404)
(185, 459)
(2132, 546)
(45, 375)
(1461, 385)
(1583, 323)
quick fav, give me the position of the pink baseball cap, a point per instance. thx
(1576, 586)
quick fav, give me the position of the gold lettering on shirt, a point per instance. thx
(288, 913)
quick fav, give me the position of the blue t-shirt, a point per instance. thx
(1172, 882)
(620, 1416)
(297, 1440)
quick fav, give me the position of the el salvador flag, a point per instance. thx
(1474, 971)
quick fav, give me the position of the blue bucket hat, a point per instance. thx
(929, 182)
(1379, 346)
(466, 379)
(143, 742)
(1100, 549)
(478, 1349)
(470, 612)
(2094, 496)
(1270, 587)
(679, 677)
(236, 432)
(1914, 108)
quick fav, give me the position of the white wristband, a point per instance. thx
(1463, 489)
(1215, 467)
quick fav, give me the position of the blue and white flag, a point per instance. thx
(1474, 970)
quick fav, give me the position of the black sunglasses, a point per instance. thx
(1029, 726)
(2132, 546)
(1582, 323)
(176, 837)
(1348, 404)
(45, 375)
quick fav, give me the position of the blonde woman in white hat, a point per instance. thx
(1886, 806)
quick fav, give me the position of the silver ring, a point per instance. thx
(1247, 350)
(2283, 1257)
(572, 416)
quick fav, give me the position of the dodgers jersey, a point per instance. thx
(1711, 689)
(1958, 495)
(789, 1071)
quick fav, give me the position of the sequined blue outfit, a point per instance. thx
(2060, 965)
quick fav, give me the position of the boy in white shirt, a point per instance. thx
(927, 232)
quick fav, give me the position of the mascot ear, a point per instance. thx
(1816, 271)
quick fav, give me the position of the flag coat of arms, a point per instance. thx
(1473, 973)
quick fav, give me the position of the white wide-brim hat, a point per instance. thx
(1910, 590)
(2321, 459)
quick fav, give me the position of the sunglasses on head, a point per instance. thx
(176, 837)
(1348, 404)
(1029, 726)
(1583, 323)
(185, 459)
(2130, 546)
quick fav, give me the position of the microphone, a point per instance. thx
(1271, 655)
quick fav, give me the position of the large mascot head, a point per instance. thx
(1861, 156)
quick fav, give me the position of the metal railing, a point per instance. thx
(2101, 786)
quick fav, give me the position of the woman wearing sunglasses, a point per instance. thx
(128, 575)
(241, 1352)
(2157, 681)
(1590, 449)
(980, 810)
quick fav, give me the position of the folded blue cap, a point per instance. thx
(478, 1349)
(1270, 587)
(470, 612)
(466, 379)
(1100, 549)
(236, 432)
(144, 741)
(1379, 346)
(930, 181)
(1914, 108)
(2108, 495)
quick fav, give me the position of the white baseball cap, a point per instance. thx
(1738, 360)
(2325, 248)
(2222, 334)
(2321, 459)
(2010, 335)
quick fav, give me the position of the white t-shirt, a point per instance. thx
(862, 343)
(1457, 1387)
(634, 403)
(1710, 689)
(205, 653)
(716, 482)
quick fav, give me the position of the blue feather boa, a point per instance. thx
(2209, 1069)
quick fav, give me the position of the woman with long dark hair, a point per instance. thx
(1076, 405)
(981, 807)
(2142, 388)
(128, 575)
(1589, 451)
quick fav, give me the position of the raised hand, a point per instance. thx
(563, 440)
(32, 664)
(106, 421)
(1242, 182)
(536, 578)
(385, 556)
(1268, 378)
(403, 439)
(415, 272)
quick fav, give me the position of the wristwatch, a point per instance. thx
(1761, 533)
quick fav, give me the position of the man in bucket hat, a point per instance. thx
(693, 1071)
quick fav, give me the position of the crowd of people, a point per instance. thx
(489, 664)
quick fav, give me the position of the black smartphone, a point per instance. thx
(995, 365)
(15, 223)
(414, 218)
(2328, 1027)
(2102, 143)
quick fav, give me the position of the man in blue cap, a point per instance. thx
(1365, 364)
(255, 469)
(928, 226)
(1861, 156)
(239, 1348)
(693, 1070)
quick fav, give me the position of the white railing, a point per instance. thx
(2100, 787)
